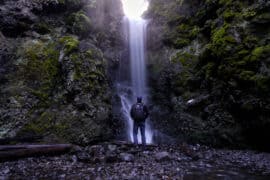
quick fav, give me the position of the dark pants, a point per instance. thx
(136, 126)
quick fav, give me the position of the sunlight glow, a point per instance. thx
(135, 8)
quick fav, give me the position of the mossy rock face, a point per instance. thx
(65, 127)
(70, 89)
(261, 52)
(181, 36)
(230, 67)
(79, 23)
(229, 15)
(45, 123)
(262, 19)
(249, 13)
(70, 44)
(59, 6)
(70, 2)
(42, 28)
(183, 78)
(179, 43)
(40, 67)
(53, 77)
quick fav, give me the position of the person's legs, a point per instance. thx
(142, 129)
(135, 132)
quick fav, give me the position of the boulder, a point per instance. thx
(162, 156)
(127, 157)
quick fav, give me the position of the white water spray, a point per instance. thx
(137, 35)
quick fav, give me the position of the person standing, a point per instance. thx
(139, 113)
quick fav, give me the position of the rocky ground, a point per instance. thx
(125, 161)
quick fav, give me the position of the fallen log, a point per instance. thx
(13, 152)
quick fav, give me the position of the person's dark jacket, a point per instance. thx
(133, 114)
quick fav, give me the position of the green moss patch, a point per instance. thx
(79, 23)
(40, 67)
(70, 43)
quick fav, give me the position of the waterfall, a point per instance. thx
(137, 29)
(137, 85)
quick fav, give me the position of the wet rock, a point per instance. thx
(233, 164)
(96, 150)
(83, 157)
(127, 157)
(112, 147)
(111, 157)
(162, 156)
(16, 18)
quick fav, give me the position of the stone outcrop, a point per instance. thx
(54, 69)
(210, 75)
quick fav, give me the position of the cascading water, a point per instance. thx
(137, 87)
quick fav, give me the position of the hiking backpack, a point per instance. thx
(138, 112)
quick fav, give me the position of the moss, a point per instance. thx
(44, 124)
(61, 1)
(186, 59)
(262, 18)
(164, 10)
(262, 83)
(246, 75)
(89, 67)
(39, 126)
(250, 41)
(243, 52)
(187, 31)
(194, 32)
(248, 14)
(182, 28)
(70, 43)
(181, 42)
(79, 23)
(209, 69)
(230, 39)
(218, 35)
(78, 74)
(40, 68)
(179, 82)
(41, 94)
(225, 2)
(42, 28)
(247, 107)
(225, 71)
(187, 95)
(72, 4)
(229, 15)
(222, 43)
(260, 52)
(89, 53)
